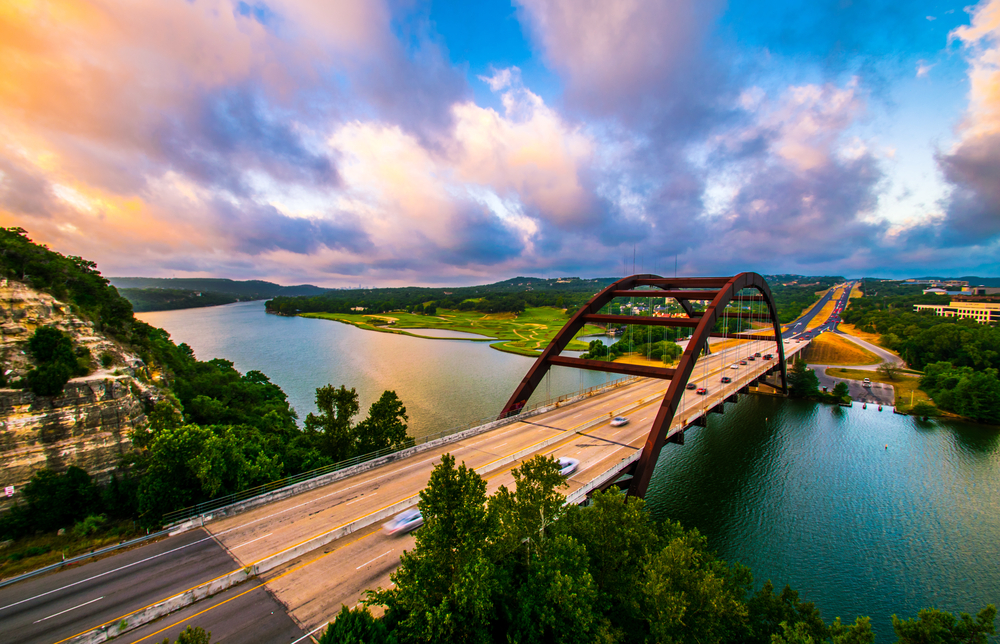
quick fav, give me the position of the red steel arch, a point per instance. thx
(719, 291)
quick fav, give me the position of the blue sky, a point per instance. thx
(394, 142)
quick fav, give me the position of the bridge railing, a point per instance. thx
(205, 507)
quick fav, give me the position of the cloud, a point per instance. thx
(972, 166)
(629, 58)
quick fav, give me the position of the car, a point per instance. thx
(567, 465)
(768, 356)
(743, 362)
(726, 379)
(757, 355)
(866, 382)
(734, 366)
(702, 391)
(751, 358)
(691, 385)
(405, 521)
(618, 421)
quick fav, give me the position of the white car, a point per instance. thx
(735, 365)
(866, 382)
(618, 421)
(567, 465)
(404, 522)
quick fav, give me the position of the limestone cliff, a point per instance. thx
(87, 425)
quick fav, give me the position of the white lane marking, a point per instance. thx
(247, 543)
(616, 433)
(309, 634)
(320, 498)
(77, 583)
(373, 560)
(501, 445)
(362, 497)
(642, 419)
(69, 609)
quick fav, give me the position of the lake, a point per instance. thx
(864, 512)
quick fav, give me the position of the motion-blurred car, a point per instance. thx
(734, 366)
(567, 465)
(691, 385)
(404, 522)
(768, 356)
(743, 362)
(618, 421)
(702, 391)
(726, 379)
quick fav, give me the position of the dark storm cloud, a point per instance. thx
(254, 228)
(973, 208)
(482, 239)
(230, 132)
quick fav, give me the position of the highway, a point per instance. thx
(798, 328)
(53, 607)
(304, 593)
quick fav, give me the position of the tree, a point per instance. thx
(332, 425)
(802, 381)
(767, 611)
(690, 596)
(888, 369)
(385, 426)
(842, 391)
(524, 517)
(934, 626)
(192, 635)
(354, 626)
(59, 500)
(444, 588)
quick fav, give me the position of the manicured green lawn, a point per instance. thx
(525, 334)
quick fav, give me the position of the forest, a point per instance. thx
(960, 358)
(519, 566)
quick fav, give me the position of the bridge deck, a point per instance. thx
(364, 559)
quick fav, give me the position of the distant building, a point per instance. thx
(985, 312)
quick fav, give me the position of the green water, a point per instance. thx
(804, 494)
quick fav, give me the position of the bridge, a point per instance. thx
(305, 550)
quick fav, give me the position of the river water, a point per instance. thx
(864, 512)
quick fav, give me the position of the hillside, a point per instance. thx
(168, 294)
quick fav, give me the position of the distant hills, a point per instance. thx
(167, 293)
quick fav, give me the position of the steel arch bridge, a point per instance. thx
(718, 292)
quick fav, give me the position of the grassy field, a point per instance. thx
(873, 338)
(828, 348)
(907, 393)
(525, 334)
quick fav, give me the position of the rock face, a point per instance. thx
(88, 425)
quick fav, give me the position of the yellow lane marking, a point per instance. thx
(264, 583)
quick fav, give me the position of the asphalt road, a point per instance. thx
(798, 329)
(244, 614)
(53, 607)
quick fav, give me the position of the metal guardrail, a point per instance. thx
(83, 557)
(179, 516)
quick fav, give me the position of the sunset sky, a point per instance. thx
(346, 142)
